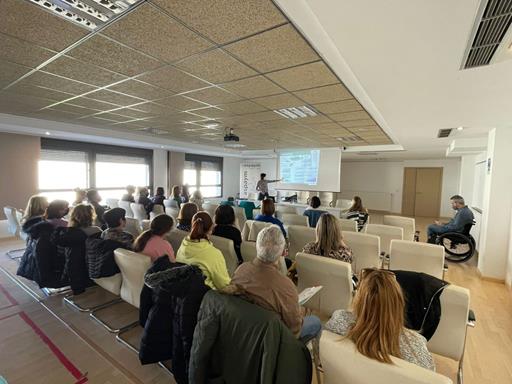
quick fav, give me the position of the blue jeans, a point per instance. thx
(434, 229)
(311, 328)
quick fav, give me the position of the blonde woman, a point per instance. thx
(175, 195)
(329, 240)
(376, 323)
(197, 199)
(82, 217)
(36, 207)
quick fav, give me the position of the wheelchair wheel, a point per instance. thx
(458, 247)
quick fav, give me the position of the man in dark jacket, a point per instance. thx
(238, 342)
(169, 303)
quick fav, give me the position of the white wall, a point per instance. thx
(508, 277)
(231, 176)
(160, 169)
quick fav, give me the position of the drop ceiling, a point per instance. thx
(170, 68)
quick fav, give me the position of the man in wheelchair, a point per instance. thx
(462, 218)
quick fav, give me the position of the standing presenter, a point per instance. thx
(262, 186)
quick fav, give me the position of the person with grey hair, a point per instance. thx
(261, 282)
(463, 217)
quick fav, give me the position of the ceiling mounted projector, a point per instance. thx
(231, 136)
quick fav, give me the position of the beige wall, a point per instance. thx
(176, 167)
(19, 155)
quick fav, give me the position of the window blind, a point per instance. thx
(56, 155)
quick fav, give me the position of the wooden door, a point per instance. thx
(409, 192)
(422, 192)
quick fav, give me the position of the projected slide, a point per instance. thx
(299, 167)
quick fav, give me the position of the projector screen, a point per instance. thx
(310, 170)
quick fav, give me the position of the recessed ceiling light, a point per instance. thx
(296, 112)
(47, 133)
(162, 146)
(460, 128)
(211, 124)
(235, 145)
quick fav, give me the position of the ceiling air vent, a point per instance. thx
(490, 28)
(444, 132)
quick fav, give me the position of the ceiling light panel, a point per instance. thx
(296, 112)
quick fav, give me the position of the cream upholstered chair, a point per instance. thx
(248, 250)
(139, 212)
(173, 212)
(14, 228)
(417, 257)
(133, 266)
(334, 275)
(158, 209)
(256, 227)
(112, 203)
(294, 219)
(240, 217)
(170, 203)
(127, 207)
(210, 208)
(133, 226)
(408, 224)
(342, 363)
(299, 236)
(175, 237)
(227, 248)
(365, 249)
(348, 225)
(246, 229)
(282, 209)
(449, 339)
(386, 234)
(145, 225)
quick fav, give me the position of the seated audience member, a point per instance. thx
(248, 207)
(357, 212)
(376, 324)
(152, 242)
(116, 222)
(143, 199)
(463, 217)
(55, 212)
(175, 195)
(329, 240)
(197, 199)
(94, 198)
(83, 217)
(312, 212)
(267, 214)
(184, 195)
(261, 282)
(225, 227)
(159, 197)
(128, 196)
(230, 201)
(187, 212)
(196, 249)
(36, 208)
(80, 196)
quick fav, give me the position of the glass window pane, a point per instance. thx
(210, 177)
(110, 175)
(111, 194)
(210, 191)
(190, 176)
(69, 196)
(51, 174)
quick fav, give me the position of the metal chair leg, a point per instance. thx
(94, 315)
(125, 343)
(12, 254)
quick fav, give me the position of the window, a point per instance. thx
(66, 165)
(205, 173)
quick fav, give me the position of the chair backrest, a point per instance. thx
(467, 228)
(173, 212)
(348, 225)
(299, 236)
(450, 336)
(145, 224)
(158, 209)
(112, 203)
(256, 227)
(13, 224)
(417, 257)
(227, 248)
(386, 234)
(408, 224)
(139, 212)
(342, 363)
(170, 203)
(248, 250)
(133, 266)
(240, 217)
(334, 275)
(111, 283)
(210, 208)
(175, 237)
(282, 209)
(365, 248)
(294, 219)
(246, 228)
(343, 203)
(133, 226)
(126, 206)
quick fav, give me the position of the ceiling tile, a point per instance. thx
(133, 113)
(141, 90)
(114, 117)
(10, 103)
(314, 120)
(10, 72)
(324, 94)
(31, 23)
(108, 54)
(95, 121)
(151, 31)
(278, 48)
(216, 66)
(58, 83)
(67, 107)
(155, 109)
(182, 103)
(263, 116)
(225, 20)
(304, 76)
(242, 107)
(25, 89)
(86, 73)
(174, 80)
(253, 87)
(114, 98)
(92, 104)
(283, 100)
(214, 96)
(21, 52)
(350, 105)
(349, 116)
(358, 123)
